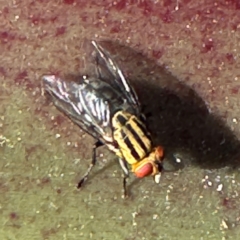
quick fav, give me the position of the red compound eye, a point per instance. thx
(144, 170)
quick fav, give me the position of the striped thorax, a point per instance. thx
(134, 144)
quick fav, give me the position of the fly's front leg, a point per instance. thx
(85, 176)
(124, 167)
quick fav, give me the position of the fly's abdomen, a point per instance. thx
(131, 136)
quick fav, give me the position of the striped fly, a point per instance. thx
(107, 107)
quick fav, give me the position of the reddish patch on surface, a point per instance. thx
(230, 58)
(58, 120)
(22, 38)
(3, 72)
(167, 3)
(6, 36)
(120, 5)
(68, 1)
(157, 54)
(167, 17)
(229, 203)
(45, 180)
(5, 10)
(146, 6)
(34, 19)
(52, 19)
(234, 3)
(59, 191)
(115, 29)
(13, 216)
(234, 26)
(215, 72)
(235, 90)
(22, 79)
(60, 31)
(207, 46)
(84, 17)
(37, 19)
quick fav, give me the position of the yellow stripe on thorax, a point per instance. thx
(133, 142)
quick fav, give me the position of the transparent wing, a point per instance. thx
(90, 103)
(109, 71)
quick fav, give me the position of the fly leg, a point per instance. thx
(125, 193)
(124, 167)
(85, 176)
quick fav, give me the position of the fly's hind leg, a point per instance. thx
(125, 193)
(124, 167)
(85, 176)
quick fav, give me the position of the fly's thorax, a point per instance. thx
(132, 137)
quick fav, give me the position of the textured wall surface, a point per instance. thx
(183, 59)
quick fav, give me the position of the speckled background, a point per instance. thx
(183, 59)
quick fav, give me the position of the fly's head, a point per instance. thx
(151, 165)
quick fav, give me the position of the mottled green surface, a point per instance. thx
(42, 155)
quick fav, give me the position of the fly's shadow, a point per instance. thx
(179, 119)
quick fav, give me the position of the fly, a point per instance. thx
(107, 108)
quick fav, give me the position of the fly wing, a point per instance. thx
(109, 71)
(89, 104)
